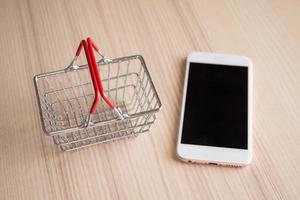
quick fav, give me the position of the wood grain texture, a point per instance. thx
(41, 36)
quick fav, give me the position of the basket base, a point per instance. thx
(120, 129)
(97, 140)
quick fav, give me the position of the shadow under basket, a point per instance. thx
(65, 97)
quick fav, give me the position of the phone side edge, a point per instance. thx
(186, 76)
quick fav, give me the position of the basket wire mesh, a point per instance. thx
(65, 97)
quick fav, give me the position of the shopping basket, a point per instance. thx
(65, 98)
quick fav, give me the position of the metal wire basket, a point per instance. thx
(65, 97)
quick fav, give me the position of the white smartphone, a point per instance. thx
(215, 124)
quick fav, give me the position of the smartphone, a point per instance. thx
(215, 124)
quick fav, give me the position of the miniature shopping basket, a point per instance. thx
(66, 97)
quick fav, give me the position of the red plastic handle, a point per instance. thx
(88, 46)
(79, 48)
(94, 80)
(93, 44)
(95, 71)
(81, 45)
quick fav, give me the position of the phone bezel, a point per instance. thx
(210, 154)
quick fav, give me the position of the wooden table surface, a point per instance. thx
(41, 36)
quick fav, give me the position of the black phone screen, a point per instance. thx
(216, 106)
